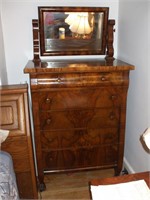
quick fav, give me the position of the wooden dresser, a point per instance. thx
(15, 117)
(79, 112)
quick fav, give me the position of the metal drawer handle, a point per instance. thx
(48, 121)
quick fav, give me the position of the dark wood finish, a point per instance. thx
(15, 117)
(79, 111)
(123, 179)
(73, 46)
(36, 41)
(110, 39)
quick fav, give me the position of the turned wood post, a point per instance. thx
(36, 44)
(110, 39)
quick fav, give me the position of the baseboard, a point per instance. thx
(127, 166)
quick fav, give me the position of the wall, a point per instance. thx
(17, 28)
(133, 47)
(3, 72)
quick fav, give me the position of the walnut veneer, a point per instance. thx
(15, 117)
(79, 112)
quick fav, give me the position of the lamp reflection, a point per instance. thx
(80, 24)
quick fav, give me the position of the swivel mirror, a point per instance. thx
(73, 31)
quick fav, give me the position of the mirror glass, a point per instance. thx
(72, 31)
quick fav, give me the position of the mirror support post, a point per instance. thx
(36, 45)
(110, 38)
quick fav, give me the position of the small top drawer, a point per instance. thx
(59, 80)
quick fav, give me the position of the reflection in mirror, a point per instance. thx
(73, 31)
(73, 25)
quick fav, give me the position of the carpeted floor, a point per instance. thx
(72, 185)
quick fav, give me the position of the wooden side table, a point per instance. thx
(123, 179)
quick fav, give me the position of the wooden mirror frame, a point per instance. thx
(106, 47)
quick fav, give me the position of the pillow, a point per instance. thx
(3, 135)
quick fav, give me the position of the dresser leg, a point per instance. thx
(42, 187)
(117, 171)
(41, 184)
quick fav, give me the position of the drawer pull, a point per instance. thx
(48, 121)
(112, 116)
(103, 78)
(50, 140)
(59, 80)
(113, 97)
(51, 159)
(48, 100)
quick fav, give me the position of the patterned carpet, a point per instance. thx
(72, 185)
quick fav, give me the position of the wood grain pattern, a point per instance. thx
(79, 111)
(71, 46)
(19, 141)
(10, 105)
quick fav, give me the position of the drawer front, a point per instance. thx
(78, 138)
(12, 114)
(91, 119)
(80, 157)
(82, 98)
(58, 80)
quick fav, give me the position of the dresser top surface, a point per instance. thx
(80, 65)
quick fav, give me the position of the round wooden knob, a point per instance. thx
(59, 79)
(48, 100)
(103, 78)
(113, 97)
(48, 121)
(112, 116)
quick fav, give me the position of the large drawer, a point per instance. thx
(80, 98)
(88, 118)
(80, 157)
(78, 138)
